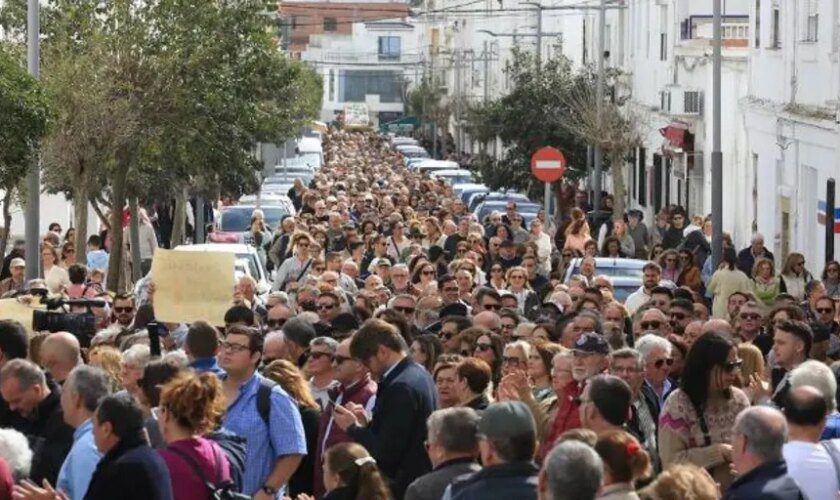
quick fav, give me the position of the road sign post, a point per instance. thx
(548, 165)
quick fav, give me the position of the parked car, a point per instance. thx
(453, 176)
(464, 191)
(400, 140)
(310, 151)
(248, 262)
(269, 199)
(432, 165)
(412, 151)
(528, 210)
(234, 222)
(495, 196)
(626, 274)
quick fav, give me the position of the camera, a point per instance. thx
(82, 325)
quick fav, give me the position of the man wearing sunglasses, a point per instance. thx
(124, 310)
(354, 386)
(656, 354)
(751, 327)
(654, 321)
(329, 305)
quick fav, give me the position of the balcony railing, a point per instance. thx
(735, 30)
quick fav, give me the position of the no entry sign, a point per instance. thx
(548, 164)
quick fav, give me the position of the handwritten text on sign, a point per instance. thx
(192, 286)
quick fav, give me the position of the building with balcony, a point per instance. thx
(790, 113)
(668, 64)
(374, 64)
(300, 20)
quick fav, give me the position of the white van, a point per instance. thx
(310, 151)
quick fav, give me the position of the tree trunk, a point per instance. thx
(179, 221)
(80, 214)
(7, 221)
(116, 283)
(619, 194)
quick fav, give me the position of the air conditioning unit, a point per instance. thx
(680, 101)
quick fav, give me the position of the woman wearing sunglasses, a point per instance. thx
(696, 421)
(528, 304)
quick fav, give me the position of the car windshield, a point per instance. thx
(237, 219)
(457, 179)
(251, 261)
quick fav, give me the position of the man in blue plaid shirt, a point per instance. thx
(274, 450)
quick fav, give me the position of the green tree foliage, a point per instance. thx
(164, 97)
(531, 116)
(26, 113)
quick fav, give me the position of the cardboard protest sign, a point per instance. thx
(192, 286)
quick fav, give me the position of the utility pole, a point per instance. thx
(33, 181)
(717, 154)
(598, 155)
(457, 107)
(486, 57)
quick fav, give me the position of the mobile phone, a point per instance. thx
(153, 328)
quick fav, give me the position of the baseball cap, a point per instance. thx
(507, 419)
(591, 343)
(17, 262)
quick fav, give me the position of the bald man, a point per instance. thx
(718, 325)
(489, 320)
(60, 353)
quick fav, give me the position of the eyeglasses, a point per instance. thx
(659, 363)
(319, 355)
(492, 307)
(319, 269)
(483, 347)
(338, 359)
(446, 335)
(303, 244)
(508, 326)
(511, 360)
(650, 325)
(404, 310)
(676, 315)
(276, 323)
(326, 307)
(123, 309)
(517, 277)
(462, 250)
(802, 263)
(750, 316)
(734, 365)
(234, 347)
(833, 270)
(428, 273)
(450, 289)
(825, 310)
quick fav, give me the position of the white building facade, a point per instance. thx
(375, 65)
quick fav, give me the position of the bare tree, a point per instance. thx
(616, 133)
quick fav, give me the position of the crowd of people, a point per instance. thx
(409, 350)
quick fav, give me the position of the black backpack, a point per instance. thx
(235, 449)
(219, 490)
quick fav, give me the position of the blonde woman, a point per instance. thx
(794, 276)
(766, 284)
(528, 304)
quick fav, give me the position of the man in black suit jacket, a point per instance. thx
(404, 400)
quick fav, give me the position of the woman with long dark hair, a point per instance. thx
(696, 422)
